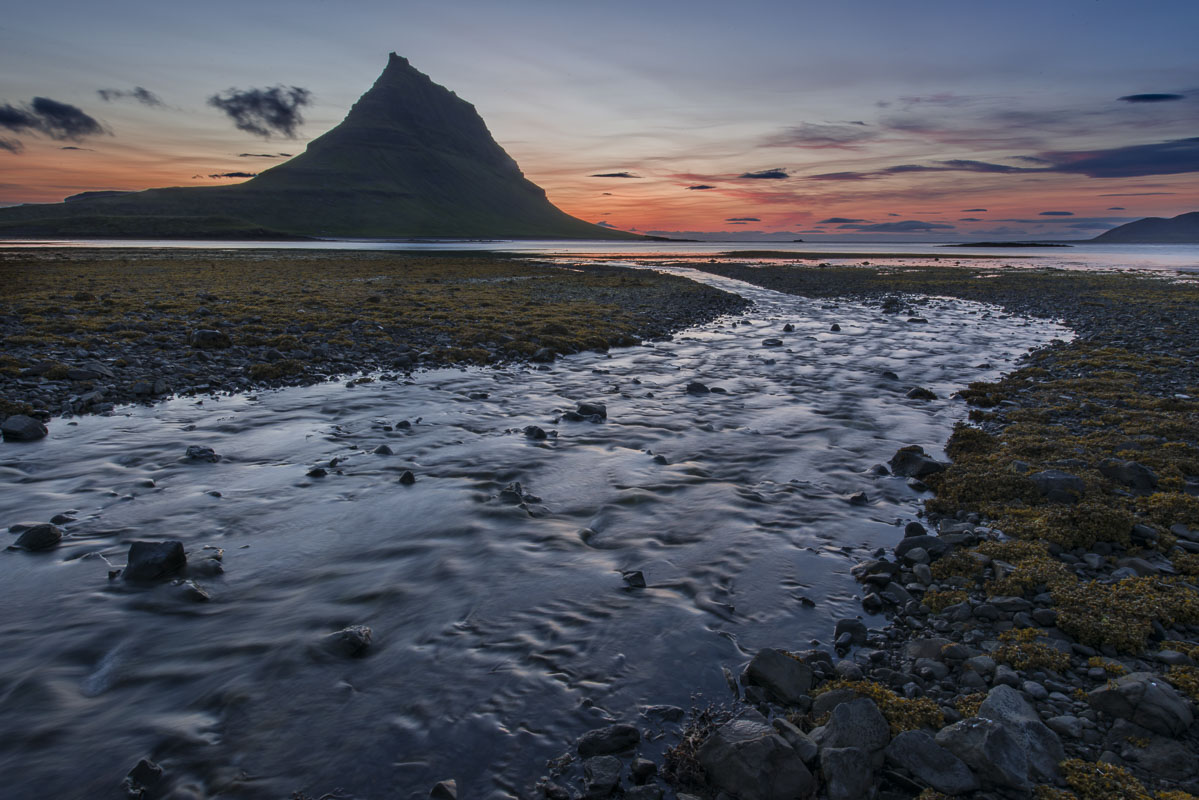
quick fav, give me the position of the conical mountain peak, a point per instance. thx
(411, 158)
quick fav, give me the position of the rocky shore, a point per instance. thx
(86, 330)
(1041, 624)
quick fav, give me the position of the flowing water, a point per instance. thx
(500, 631)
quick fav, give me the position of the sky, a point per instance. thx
(832, 120)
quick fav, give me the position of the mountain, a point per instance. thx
(410, 159)
(1183, 229)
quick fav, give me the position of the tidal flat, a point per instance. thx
(730, 519)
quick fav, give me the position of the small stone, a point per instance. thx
(593, 409)
(536, 433)
(351, 641)
(642, 770)
(911, 462)
(382, 450)
(834, 327)
(1058, 486)
(601, 776)
(695, 387)
(209, 340)
(785, 679)
(920, 393)
(634, 578)
(445, 790)
(917, 752)
(150, 561)
(407, 478)
(772, 342)
(1145, 699)
(605, 741)
(317, 472)
(197, 453)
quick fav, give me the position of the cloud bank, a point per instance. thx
(264, 112)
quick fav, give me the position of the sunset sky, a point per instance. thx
(923, 119)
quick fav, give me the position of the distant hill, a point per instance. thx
(411, 159)
(1183, 229)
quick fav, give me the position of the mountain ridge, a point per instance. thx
(410, 159)
(1182, 229)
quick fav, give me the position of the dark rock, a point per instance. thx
(22, 428)
(382, 450)
(854, 627)
(788, 328)
(536, 433)
(634, 578)
(197, 453)
(543, 355)
(642, 770)
(857, 723)
(601, 776)
(317, 472)
(918, 753)
(920, 393)
(772, 342)
(1042, 749)
(605, 741)
(151, 561)
(747, 759)
(834, 327)
(1129, 473)
(848, 773)
(407, 478)
(350, 642)
(914, 529)
(39, 537)
(1145, 699)
(1058, 486)
(695, 387)
(593, 409)
(990, 750)
(445, 790)
(786, 680)
(203, 339)
(911, 462)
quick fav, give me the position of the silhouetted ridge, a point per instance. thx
(1183, 229)
(410, 158)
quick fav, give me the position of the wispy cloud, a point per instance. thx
(765, 175)
(138, 93)
(614, 175)
(1163, 97)
(808, 135)
(700, 187)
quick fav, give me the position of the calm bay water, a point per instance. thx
(1176, 257)
(501, 632)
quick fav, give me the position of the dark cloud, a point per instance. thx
(50, 118)
(906, 226)
(969, 219)
(809, 135)
(138, 93)
(1055, 214)
(264, 112)
(700, 187)
(951, 165)
(1090, 226)
(11, 145)
(1135, 194)
(972, 210)
(83, 149)
(264, 155)
(743, 219)
(606, 194)
(841, 176)
(765, 175)
(734, 222)
(839, 221)
(64, 121)
(1151, 98)
(1161, 158)
(1116, 208)
(230, 175)
(614, 175)
(966, 165)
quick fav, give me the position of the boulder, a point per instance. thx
(857, 724)
(20, 428)
(848, 773)
(1042, 747)
(1058, 486)
(911, 462)
(785, 679)
(990, 750)
(605, 741)
(601, 776)
(151, 561)
(593, 409)
(1136, 476)
(1145, 699)
(930, 763)
(39, 537)
(350, 642)
(445, 790)
(747, 759)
